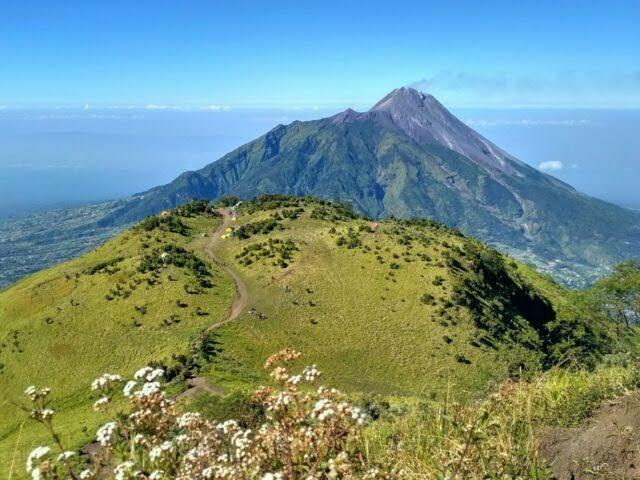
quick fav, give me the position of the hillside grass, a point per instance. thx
(409, 310)
(386, 325)
(60, 329)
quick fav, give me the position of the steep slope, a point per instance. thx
(410, 157)
(403, 307)
(382, 310)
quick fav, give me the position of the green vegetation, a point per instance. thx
(279, 251)
(260, 227)
(113, 309)
(410, 308)
(384, 168)
(430, 331)
(497, 437)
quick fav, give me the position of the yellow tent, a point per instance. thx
(226, 235)
(229, 229)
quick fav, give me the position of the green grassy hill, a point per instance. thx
(405, 308)
(380, 310)
(64, 326)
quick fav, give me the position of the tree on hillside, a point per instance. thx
(619, 293)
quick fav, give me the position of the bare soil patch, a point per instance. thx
(607, 446)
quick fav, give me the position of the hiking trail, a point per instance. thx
(198, 384)
(242, 294)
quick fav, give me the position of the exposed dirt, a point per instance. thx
(197, 385)
(242, 297)
(607, 446)
(201, 384)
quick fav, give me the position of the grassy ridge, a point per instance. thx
(64, 326)
(378, 309)
(407, 309)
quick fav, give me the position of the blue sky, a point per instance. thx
(557, 83)
(330, 53)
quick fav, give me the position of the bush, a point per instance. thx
(280, 250)
(173, 255)
(169, 223)
(260, 227)
(108, 266)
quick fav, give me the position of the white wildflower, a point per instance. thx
(105, 381)
(142, 373)
(148, 389)
(105, 434)
(272, 476)
(66, 455)
(311, 373)
(101, 403)
(188, 419)
(36, 454)
(128, 388)
(31, 392)
(226, 427)
(121, 470)
(155, 374)
(166, 447)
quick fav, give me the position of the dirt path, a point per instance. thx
(200, 384)
(242, 294)
(607, 446)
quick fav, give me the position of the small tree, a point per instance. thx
(619, 294)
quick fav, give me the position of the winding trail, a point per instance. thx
(242, 294)
(198, 384)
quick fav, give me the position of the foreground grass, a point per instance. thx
(497, 437)
(64, 326)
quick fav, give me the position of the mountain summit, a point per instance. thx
(427, 121)
(408, 156)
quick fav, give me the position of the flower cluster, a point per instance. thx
(42, 463)
(309, 433)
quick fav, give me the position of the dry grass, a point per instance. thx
(496, 437)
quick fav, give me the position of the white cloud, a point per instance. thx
(218, 108)
(86, 106)
(551, 166)
(153, 106)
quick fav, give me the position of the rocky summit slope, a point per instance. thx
(408, 156)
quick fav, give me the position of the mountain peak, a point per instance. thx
(403, 98)
(426, 121)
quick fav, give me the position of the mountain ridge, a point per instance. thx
(408, 156)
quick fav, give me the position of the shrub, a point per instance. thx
(260, 227)
(281, 251)
(108, 266)
(169, 223)
(173, 255)
(196, 207)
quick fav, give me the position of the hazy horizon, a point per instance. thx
(54, 158)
